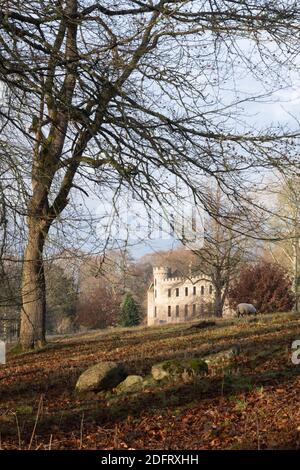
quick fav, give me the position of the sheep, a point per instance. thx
(245, 309)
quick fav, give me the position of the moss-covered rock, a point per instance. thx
(223, 356)
(149, 382)
(132, 383)
(179, 368)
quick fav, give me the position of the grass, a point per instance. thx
(256, 392)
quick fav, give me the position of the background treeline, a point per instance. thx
(89, 292)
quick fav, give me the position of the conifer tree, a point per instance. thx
(129, 312)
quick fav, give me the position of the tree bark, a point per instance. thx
(218, 297)
(296, 273)
(218, 302)
(32, 330)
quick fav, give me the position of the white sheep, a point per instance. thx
(245, 309)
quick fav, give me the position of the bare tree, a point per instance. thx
(127, 93)
(225, 247)
(285, 229)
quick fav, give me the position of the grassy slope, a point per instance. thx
(253, 404)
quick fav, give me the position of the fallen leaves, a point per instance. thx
(255, 404)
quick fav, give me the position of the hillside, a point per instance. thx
(252, 403)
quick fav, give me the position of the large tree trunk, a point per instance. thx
(32, 331)
(218, 302)
(218, 283)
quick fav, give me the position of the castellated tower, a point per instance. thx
(174, 299)
(159, 275)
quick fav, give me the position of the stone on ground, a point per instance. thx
(178, 368)
(223, 356)
(132, 383)
(102, 376)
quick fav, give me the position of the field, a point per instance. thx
(251, 403)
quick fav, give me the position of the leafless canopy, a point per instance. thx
(127, 92)
(127, 87)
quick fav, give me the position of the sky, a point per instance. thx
(282, 108)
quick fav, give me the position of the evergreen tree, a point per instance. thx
(129, 312)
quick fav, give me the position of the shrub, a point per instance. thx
(265, 285)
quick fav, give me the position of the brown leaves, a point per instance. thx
(252, 405)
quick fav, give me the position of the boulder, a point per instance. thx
(178, 368)
(132, 383)
(102, 376)
(149, 382)
(223, 356)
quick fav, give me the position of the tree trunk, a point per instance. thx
(32, 331)
(296, 273)
(218, 301)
